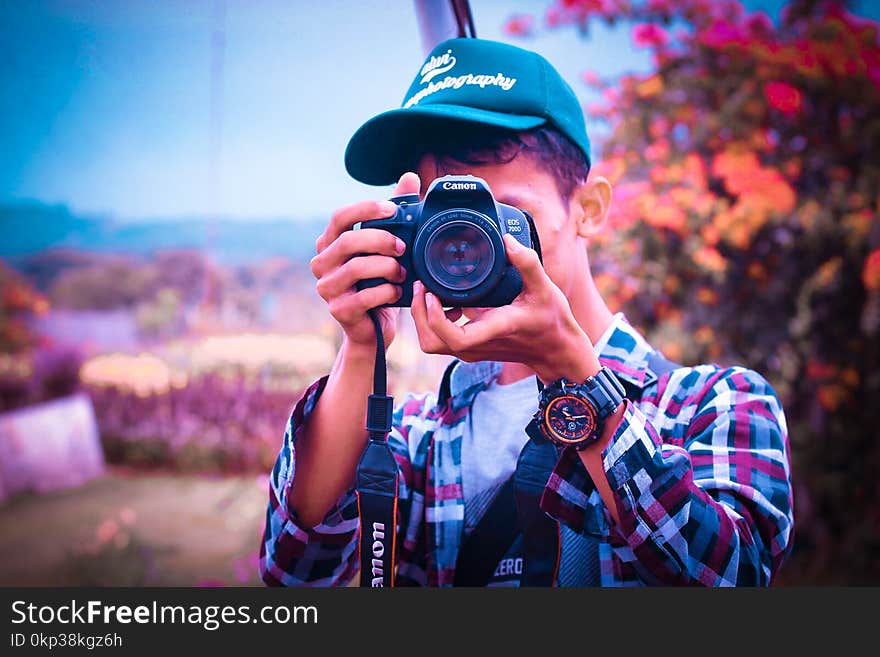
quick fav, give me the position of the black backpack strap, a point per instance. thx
(489, 541)
(445, 391)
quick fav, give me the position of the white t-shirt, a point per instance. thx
(491, 443)
(492, 440)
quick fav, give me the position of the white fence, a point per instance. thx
(49, 446)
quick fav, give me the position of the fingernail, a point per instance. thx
(512, 244)
(387, 207)
(402, 273)
(418, 287)
(430, 298)
(399, 291)
(400, 246)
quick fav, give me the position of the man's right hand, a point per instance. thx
(333, 439)
(337, 269)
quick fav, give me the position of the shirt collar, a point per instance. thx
(621, 348)
(469, 378)
(624, 351)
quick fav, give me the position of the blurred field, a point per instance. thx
(138, 530)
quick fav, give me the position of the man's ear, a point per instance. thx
(591, 203)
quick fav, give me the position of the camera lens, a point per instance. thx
(459, 255)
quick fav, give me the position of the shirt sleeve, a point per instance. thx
(713, 508)
(326, 554)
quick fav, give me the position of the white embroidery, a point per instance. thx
(437, 65)
(499, 80)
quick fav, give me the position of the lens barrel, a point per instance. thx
(459, 255)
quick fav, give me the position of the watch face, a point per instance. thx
(569, 419)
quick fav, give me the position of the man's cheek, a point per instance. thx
(555, 271)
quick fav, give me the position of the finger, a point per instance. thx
(409, 183)
(344, 218)
(374, 241)
(343, 278)
(438, 323)
(428, 340)
(351, 308)
(491, 325)
(527, 262)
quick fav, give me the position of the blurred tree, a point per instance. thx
(745, 229)
(160, 316)
(182, 270)
(115, 282)
(18, 303)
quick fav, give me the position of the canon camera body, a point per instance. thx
(454, 243)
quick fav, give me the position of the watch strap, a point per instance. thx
(604, 391)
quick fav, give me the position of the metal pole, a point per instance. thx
(210, 294)
(436, 22)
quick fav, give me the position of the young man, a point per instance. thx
(683, 478)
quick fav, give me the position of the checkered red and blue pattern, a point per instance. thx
(699, 468)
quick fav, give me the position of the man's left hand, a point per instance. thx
(537, 329)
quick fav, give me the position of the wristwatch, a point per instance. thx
(573, 414)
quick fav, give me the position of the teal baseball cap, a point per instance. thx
(465, 83)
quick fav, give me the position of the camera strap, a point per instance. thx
(377, 477)
(377, 481)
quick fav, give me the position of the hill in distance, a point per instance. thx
(31, 228)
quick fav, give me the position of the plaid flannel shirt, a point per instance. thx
(698, 466)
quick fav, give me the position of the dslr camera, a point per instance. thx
(453, 243)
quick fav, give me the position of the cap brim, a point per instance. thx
(385, 147)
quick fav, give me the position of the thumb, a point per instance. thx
(526, 260)
(409, 183)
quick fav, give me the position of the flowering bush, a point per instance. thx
(37, 376)
(210, 424)
(18, 303)
(745, 230)
(215, 403)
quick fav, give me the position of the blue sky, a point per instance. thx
(106, 106)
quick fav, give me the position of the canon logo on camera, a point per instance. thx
(459, 185)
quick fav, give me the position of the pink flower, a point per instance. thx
(759, 23)
(553, 17)
(591, 78)
(871, 271)
(721, 33)
(584, 7)
(649, 35)
(730, 9)
(783, 97)
(874, 75)
(660, 6)
(519, 25)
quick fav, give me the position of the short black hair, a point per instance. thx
(553, 152)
